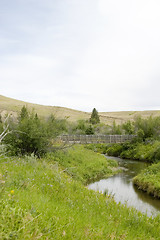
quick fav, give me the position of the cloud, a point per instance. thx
(81, 54)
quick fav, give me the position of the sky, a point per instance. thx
(81, 54)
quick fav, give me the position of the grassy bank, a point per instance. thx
(138, 151)
(149, 180)
(84, 165)
(40, 200)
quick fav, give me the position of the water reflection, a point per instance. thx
(124, 191)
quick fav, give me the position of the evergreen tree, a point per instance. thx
(94, 117)
(89, 130)
(23, 114)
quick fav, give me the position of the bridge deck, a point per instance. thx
(86, 139)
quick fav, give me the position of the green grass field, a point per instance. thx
(40, 199)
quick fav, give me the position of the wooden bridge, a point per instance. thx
(86, 139)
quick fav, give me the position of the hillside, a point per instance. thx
(14, 106)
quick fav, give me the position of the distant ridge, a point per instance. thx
(12, 105)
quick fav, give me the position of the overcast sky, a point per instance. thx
(81, 54)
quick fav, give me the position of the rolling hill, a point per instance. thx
(14, 106)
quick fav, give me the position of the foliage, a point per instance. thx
(23, 114)
(116, 129)
(89, 130)
(38, 200)
(139, 151)
(128, 127)
(54, 126)
(149, 180)
(147, 128)
(115, 150)
(94, 117)
(98, 147)
(102, 129)
(30, 134)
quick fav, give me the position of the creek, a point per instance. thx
(120, 186)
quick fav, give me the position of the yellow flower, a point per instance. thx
(12, 191)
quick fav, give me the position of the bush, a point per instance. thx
(115, 150)
(97, 147)
(31, 134)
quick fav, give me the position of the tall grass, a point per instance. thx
(39, 200)
(149, 180)
(83, 164)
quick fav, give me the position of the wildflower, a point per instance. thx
(12, 192)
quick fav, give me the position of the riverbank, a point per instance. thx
(148, 152)
(40, 200)
(149, 180)
(83, 164)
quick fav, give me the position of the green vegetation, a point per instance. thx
(81, 127)
(149, 180)
(83, 164)
(149, 152)
(39, 200)
(146, 147)
(42, 190)
(97, 147)
(94, 119)
(30, 134)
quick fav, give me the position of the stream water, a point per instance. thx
(123, 190)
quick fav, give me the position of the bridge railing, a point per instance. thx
(86, 139)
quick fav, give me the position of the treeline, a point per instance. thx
(144, 128)
(31, 134)
(144, 147)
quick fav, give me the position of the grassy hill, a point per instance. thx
(14, 106)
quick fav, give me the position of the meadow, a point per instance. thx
(43, 199)
(43, 188)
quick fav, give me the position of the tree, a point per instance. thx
(94, 117)
(55, 126)
(23, 113)
(128, 127)
(28, 135)
(89, 130)
(116, 129)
